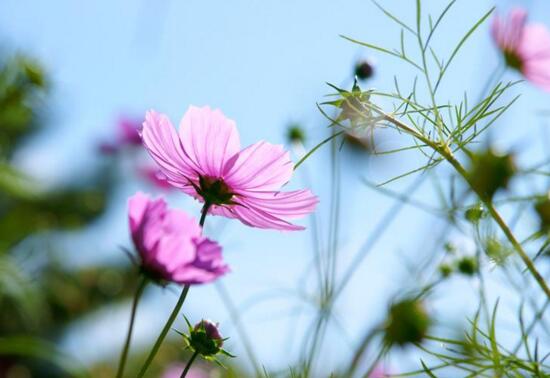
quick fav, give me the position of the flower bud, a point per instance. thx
(450, 248)
(445, 270)
(475, 213)
(491, 171)
(295, 134)
(205, 339)
(467, 265)
(407, 322)
(364, 70)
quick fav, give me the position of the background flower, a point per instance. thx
(526, 47)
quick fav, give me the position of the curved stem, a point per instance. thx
(188, 366)
(447, 154)
(124, 355)
(164, 331)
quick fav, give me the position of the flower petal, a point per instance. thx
(259, 167)
(209, 139)
(177, 247)
(268, 210)
(163, 144)
(292, 204)
(207, 266)
(507, 33)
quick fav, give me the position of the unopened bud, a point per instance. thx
(407, 322)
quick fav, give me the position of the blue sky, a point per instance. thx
(264, 64)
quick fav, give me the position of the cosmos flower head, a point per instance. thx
(205, 160)
(524, 46)
(170, 244)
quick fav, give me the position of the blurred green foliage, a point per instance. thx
(38, 304)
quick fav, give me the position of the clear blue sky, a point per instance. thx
(264, 63)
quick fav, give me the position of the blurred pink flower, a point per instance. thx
(155, 177)
(127, 135)
(206, 162)
(526, 47)
(379, 372)
(175, 370)
(170, 243)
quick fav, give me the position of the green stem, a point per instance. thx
(164, 331)
(124, 355)
(204, 212)
(188, 366)
(446, 153)
(365, 342)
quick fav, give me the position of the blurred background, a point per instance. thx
(77, 77)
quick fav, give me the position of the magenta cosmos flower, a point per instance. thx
(205, 161)
(170, 243)
(526, 47)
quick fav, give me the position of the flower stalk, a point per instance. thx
(164, 331)
(189, 363)
(124, 355)
(444, 150)
(175, 311)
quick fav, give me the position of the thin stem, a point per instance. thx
(164, 331)
(369, 336)
(236, 319)
(204, 212)
(446, 153)
(189, 363)
(124, 355)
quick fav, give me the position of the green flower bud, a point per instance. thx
(450, 248)
(407, 322)
(491, 171)
(467, 265)
(445, 270)
(295, 134)
(205, 339)
(475, 213)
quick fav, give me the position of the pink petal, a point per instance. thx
(535, 51)
(163, 144)
(177, 247)
(292, 204)
(254, 216)
(209, 139)
(137, 205)
(507, 33)
(259, 167)
(207, 266)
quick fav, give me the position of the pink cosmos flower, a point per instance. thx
(170, 243)
(127, 135)
(205, 161)
(526, 47)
